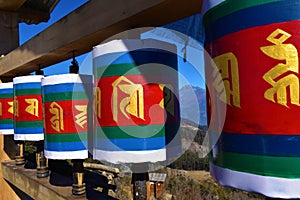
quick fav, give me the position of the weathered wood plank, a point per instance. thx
(37, 188)
(7, 193)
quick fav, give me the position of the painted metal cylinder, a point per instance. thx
(66, 106)
(133, 117)
(254, 48)
(28, 114)
(6, 108)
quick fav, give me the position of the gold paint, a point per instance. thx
(78, 178)
(287, 54)
(33, 107)
(11, 107)
(162, 103)
(226, 72)
(57, 121)
(16, 106)
(97, 102)
(81, 118)
(21, 150)
(134, 104)
(38, 159)
(167, 101)
(0, 108)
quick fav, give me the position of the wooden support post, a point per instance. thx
(140, 181)
(78, 187)
(19, 158)
(42, 170)
(9, 31)
(141, 186)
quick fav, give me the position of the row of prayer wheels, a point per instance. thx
(52, 111)
(121, 114)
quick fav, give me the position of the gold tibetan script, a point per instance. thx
(57, 121)
(81, 118)
(134, 104)
(33, 107)
(288, 56)
(162, 102)
(11, 107)
(16, 107)
(97, 102)
(226, 72)
(0, 108)
(167, 101)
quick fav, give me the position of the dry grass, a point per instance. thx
(200, 175)
(188, 185)
(199, 185)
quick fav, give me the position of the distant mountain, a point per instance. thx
(193, 104)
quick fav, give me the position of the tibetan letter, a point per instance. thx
(226, 78)
(133, 104)
(33, 107)
(16, 107)
(81, 118)
(168, 100)
(283, 75)
(57, 121)
(11, 107)
(97, 102)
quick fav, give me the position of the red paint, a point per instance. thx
(22, 105)
(69, 120)
(5, 107)
(153, 113)
(257, 115)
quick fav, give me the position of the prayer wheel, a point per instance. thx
(6, 109)
(28, 115)
(254, 46)
(28, 118)
(66, 108)
(135, 106)
(130, 100)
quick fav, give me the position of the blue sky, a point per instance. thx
(28, 31)
(190, 74)
(62, 8)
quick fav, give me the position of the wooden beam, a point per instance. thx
(11, 5)
(89, 25)
(9, 32)
(34, 16)
(36, 11)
